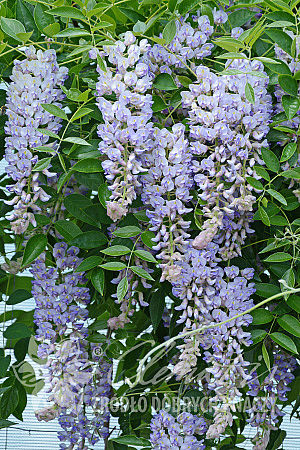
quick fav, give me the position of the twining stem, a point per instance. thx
(199, 331)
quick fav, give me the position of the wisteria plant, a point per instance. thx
(150, 211)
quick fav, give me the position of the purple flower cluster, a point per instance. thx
(127, 129)
(35, 80)
(227, 133)
(60, 316)
(265, 414)
(190, 42)
(211, 295)
(166, 190)
(170, 433)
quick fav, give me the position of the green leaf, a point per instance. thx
(88, 165)
(46, 132)
(282, 39)
(76, 140)
(132, 440)
(122, 289)
(266, 356)
(41, 19)
(262, 172)
(6, 423)
(126, 232)
(67, 229)
(113, 266)
(249, 93)
(254, 183)
(264, 216)
(277, 196)
(294, 302)
(80, 113)
(187, 5)
(147, 237)
(156, 307)
(34, 247)
(284, 341)
(98, 280)
(146, 256)
(89, 240)
(169, 32)
(75, 205)
(17, 330)
(172, 5)
(42, 164)
(67, 11)
(290, 324)
(103, 194)
(24, 15)
(288, 151)
(288, 84)
(158, 104)
(266, 290)
(258, 335)
(164, 82)
(20, 295)
(141, 272)
(52, 30)
(261, 316)
(4, 365)
(116, 250)
(9, 402)
(73, 32)
(55, 111)
(290, 105)
(89, 263)
(279, 257)
(12, 27)
(270, 159)
(240, 17)
(292, 173)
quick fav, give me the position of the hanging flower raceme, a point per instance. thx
(227, 133)
(166, 189)
(265, 413)
(75, 382)
(170, 433)
(36, 80)
(127, 129)
(211, 295)
(191, 42)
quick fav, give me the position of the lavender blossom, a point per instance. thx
(265, 413)
(211, 295)
(170, 433)
(75, 382)
(227, 133)
(127, 130)
(166, 191)
(35, 80)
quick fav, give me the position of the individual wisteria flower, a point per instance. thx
(170, 433)
(127, 129)
(191, 41)
(210, 295)
(75, 383)
(265, 413)
(36, 80)
(227, 133)
(166, 191)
